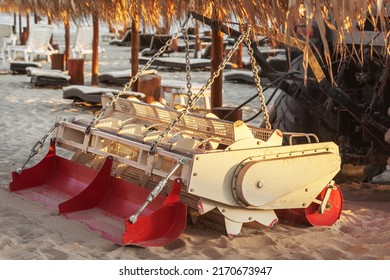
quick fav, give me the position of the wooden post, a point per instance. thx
(50, 22)
(57, 61)
(239, 53)
(67, 42)
(95, 46)
(76, 71)
(198, 43)
(216, 60)
(134, 46)
(20, 28)
(150, 85)
(14, 26)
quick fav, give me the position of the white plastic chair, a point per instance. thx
(82, 45)
(38, 43)
(7, 39)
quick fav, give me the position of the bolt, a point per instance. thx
(259, 184)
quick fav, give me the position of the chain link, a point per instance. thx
(37, 147)
(259, 87)
(191, 102)
(188, 64)
(133, 79)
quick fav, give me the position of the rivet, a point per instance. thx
(259, 184)
(306, 190)
(195, 174)
(192, 190)
(250, 218)
(223, 210)
(197, 158)
(303, 204)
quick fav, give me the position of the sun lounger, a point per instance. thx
(7, 39)
(144, 40)
(19, 67)
(124, 42)
(82, 45)
(240, 77)
(38, 43)
(157, 42)
(120, 77)
(179, 63)
(93, 94)
(47, 77)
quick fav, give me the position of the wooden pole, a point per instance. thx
(36, 17)
(14, 27)
(49, 21)
(67, 42)
(20, 27)
(135, 46)
(95, 46)
(239, 53)
(198, 43)
(216, 60)
(27, 25)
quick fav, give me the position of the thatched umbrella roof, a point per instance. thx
(279, 14)
(270, 17)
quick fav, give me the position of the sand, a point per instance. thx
(30, 231)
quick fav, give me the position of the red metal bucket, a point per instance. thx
(103, 202)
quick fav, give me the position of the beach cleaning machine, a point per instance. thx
(134, 172)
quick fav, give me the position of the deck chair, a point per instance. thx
(121, 77)
(38, 43)
(125, 41)
(7, 40)
(82, 45)
(92, 94)
(47, 77)
(157, 42)
(144, 40)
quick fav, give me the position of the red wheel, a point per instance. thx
(311, 214)
(332, 209)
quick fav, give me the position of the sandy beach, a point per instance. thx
(30, 231)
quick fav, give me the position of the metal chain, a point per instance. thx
(37, 147)
(191, 102)
(188, 64)
(133, 79)
(258, 82)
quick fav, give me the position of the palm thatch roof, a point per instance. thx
(270, 17)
